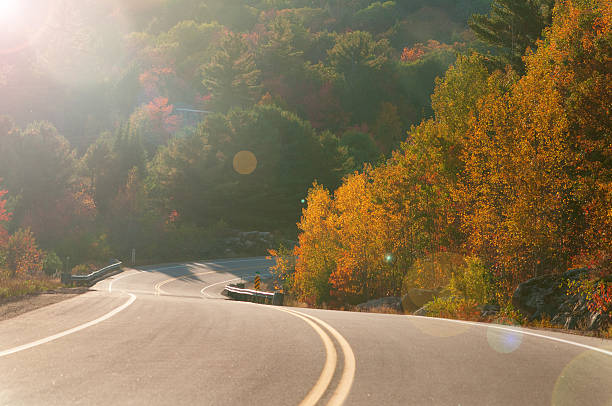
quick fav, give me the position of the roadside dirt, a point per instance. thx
(13, 307)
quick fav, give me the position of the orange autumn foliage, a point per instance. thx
(22, 254)
(515, 171)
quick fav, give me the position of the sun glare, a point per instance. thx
(9, 10)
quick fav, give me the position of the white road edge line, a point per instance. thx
(70, 331)
(110, 285)
(348, 373)
(529, 333)
(331, 359)
(222, 282)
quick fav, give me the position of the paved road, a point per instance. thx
(163, 335)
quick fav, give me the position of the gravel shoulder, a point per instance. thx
(15, 306)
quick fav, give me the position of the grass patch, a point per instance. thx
(25, 285)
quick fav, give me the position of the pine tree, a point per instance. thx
(232, 76)
(513, 26)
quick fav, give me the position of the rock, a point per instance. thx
(570, 323)
(489, 310)
(416, 298)
(390, 302)
(421, 312)
(546, 296)
(595, 321)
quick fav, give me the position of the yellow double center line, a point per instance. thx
(348, 372)
(158, 288)
(321, 328)
(159, 291)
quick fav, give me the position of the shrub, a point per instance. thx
(284, 269)
(83, 269)
(22, 254)
(20, 285)
(453, 307)
(52, 264)
(472, 282)
(598, 294)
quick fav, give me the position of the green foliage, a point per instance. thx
(82, 269)
(513, 26)
(232, 76)
(453, 307)
(197, 176)
(472, 282)
(52, 264)
(377, 17)
(360, 147)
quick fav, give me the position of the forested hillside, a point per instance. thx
(510, 179)
(157, 125)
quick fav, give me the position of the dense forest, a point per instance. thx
(424, 143)
(158, 125)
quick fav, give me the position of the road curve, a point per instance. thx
(164, 335)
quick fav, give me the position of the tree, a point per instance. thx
(513, 26)
(318, 246)
(388, 127)
(362, 64)
(109, 161)
(200, 178)
(377, 17)
(232, 76)
(22, 253)
(40, 171)
(361, 148)
(536, 178)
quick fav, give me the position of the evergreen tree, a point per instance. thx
(513, 26)
(232, 76)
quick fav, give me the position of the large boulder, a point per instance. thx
(546, 296)
(391, 303)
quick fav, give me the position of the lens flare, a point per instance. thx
(577, 373)
(245, 162)
(504, 341)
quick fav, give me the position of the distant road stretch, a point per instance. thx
(163, 335)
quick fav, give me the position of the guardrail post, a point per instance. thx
(66, 278)
(278, 298)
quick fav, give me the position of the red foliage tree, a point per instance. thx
(160, 113)
(22, 253)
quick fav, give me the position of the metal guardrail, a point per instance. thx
(68, 278)
(255, 296)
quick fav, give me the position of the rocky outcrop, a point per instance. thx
(256, 242)
(391, 302)
(546, 296)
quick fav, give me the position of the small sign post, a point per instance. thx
(257, 281)
(133, 256)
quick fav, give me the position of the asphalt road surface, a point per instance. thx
(164, 335)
